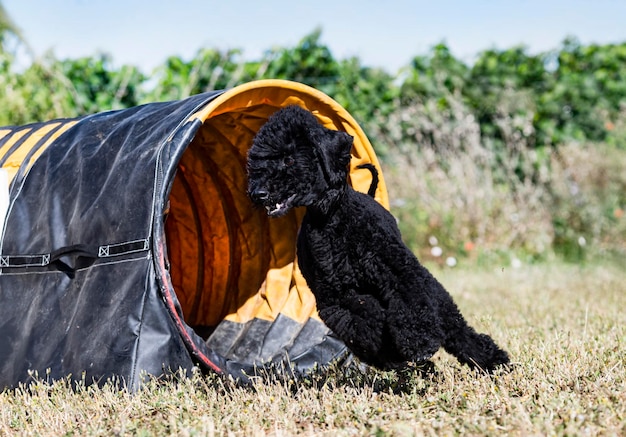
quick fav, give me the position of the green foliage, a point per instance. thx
(589, 91)
(310, 62)
(434, 75)
(96, 84)
(209, 70)
(475, 152)
(38, 93)
(367, 93)
(572, 93)
(499, 81)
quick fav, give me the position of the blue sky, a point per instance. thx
(381, 33)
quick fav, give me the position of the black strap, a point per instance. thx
(68, 259)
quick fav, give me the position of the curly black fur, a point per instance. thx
(374, 185)
(369, 287)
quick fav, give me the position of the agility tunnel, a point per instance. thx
(129, 246)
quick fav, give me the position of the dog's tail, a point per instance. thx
(374, 185)
(470, 347)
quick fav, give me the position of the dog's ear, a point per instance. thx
(335, 155)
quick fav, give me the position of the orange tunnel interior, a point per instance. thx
(228, 259)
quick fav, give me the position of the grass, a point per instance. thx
(564, 326)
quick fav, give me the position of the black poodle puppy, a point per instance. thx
(369, 287)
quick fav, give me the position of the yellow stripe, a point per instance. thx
(17, 157)
(49, 141)
(11, 141)
(11, 166)
(4, 132)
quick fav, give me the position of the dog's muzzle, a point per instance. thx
(273, 208)
(260, 197)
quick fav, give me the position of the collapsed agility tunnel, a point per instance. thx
(130, 248)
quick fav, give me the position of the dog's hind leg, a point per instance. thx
(468, 346)
(414, 329)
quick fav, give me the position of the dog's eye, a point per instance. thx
(289, 161)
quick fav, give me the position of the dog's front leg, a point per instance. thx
(357, 319)
(359, 322)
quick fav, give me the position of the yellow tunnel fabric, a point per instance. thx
(229, 261)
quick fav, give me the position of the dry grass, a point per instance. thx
(564, 326)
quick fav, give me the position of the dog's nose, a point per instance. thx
(260, 195)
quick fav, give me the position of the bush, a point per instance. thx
(517, 155)
(455, 189)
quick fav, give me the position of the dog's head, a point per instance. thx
(295, 161)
